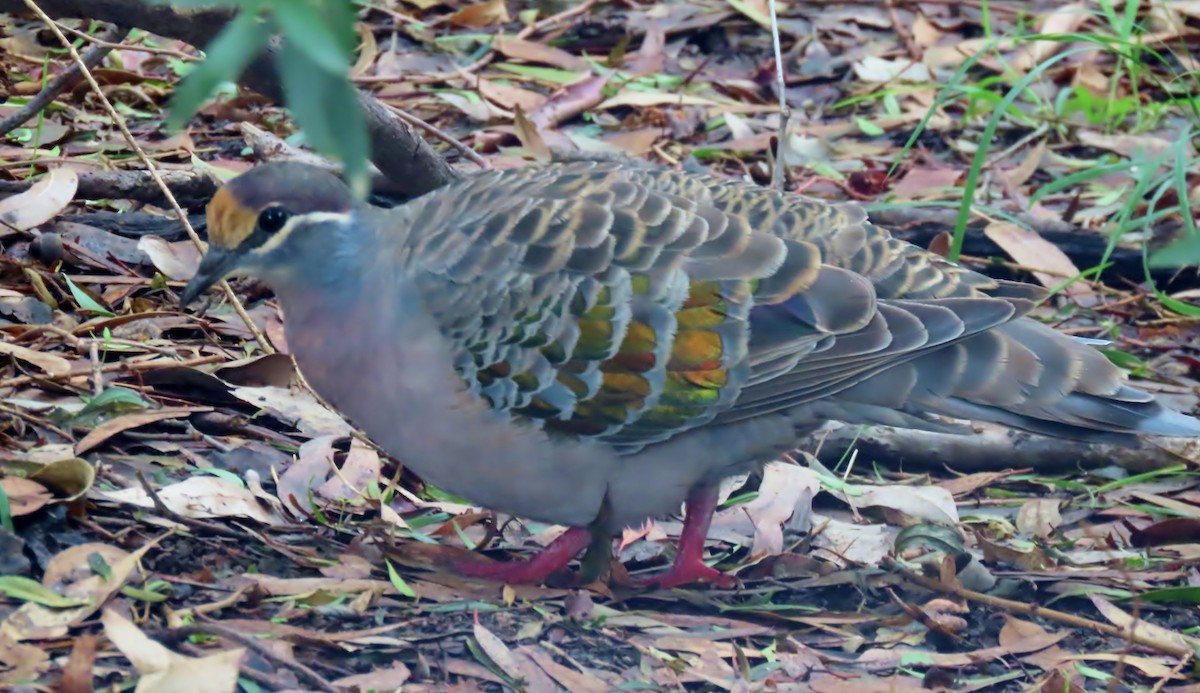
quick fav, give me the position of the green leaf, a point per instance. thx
(224, 59)
(545, 74)
(868, 128)
(27, 590)
(86, 302)
(398, 582)
(1175, 595)
(99, 566)
(6, 520)
(316, 36)
(326, 107)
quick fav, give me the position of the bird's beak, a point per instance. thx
(218, 263)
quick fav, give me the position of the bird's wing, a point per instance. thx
(630, 304)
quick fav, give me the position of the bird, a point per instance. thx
(593, 344)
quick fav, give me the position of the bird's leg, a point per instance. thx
(544, 563)
(689, 564)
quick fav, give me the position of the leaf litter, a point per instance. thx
(162, 474)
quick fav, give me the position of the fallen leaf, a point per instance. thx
(926, 183)
(295, 408)
(177, 261)
(1064, 19)
(199, 497)
(530, 136)
(1039, 517)
(570, 101)
(878, 70)
(112, 427)
(43, 201)
(533, 52)
(481, 14)
(52, 364)
(1030, 249)
(508, 96)
(164, 671)
(1166, 640)
(24, 496)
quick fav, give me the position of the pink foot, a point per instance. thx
(689, 564)
(545, 563)
(684, 574)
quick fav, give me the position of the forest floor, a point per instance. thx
(163, 476)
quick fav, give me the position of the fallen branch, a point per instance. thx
(920, 226)
(990, 449)
(190, 188)
(1034, 611)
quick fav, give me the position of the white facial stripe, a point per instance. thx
(280, 237)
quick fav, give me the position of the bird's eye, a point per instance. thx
(272, 219)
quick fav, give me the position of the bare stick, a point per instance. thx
(785, 113)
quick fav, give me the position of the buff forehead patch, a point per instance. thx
(229, 221)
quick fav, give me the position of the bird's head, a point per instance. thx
(260, 221)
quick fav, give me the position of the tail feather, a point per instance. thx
(1070, 390)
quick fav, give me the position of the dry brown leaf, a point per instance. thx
(43, 201)
(924, 33)
(926, 183)
(112, 427)
(24, 496)
(643, 99)
(497, 651)
(530, 136)
(636, 142)
(296, 408)
(1030, 249)
(177, 261)
(1064, 19)
(313, 465)
(390, 679)
(1017, 175)
(508, 96)
(570, 101)
(33, 621)
(367, 53)
(361, 468)
(1129, 145)
(1166, 640)
(481, 14)
(199, 497)
(1039, 517)
(47, 362)
(77, 673)
(164, 671)
(533, 52)
(929, 503)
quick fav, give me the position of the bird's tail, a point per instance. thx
(1024, 375)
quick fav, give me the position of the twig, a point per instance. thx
(1033, 610)
(785, 113)
(116, 43)
(108, 368)
(902, 31)
(146, 161)
(95, 55)
(442, 135)
(207, 628)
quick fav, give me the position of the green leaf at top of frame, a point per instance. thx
(224, 60)
(326, 107)
(321, 29)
